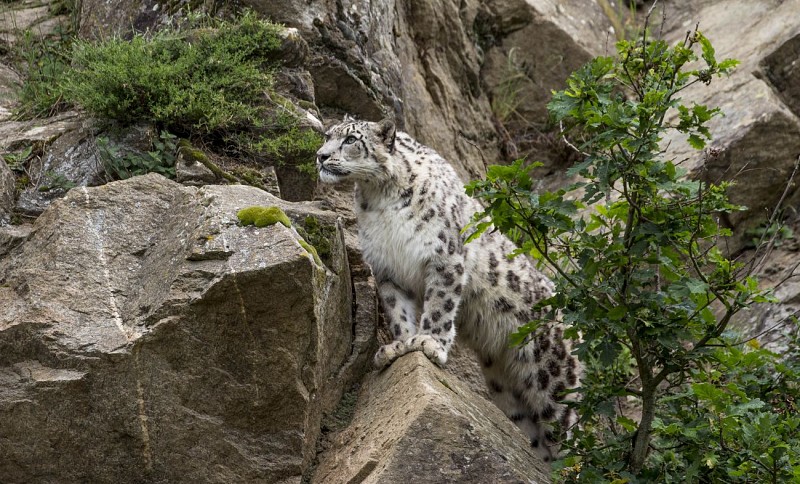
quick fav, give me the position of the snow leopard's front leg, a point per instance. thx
(435, 332)
(445, 276)
(444, 281)
(401, 311)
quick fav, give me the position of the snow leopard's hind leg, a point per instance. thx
(528, 384)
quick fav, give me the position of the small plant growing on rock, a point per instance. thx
(207, 80)
(642, 283)
(161, 159)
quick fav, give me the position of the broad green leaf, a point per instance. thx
(696, 142)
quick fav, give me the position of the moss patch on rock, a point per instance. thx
(311, 250)
(263, 216)
(319, 235)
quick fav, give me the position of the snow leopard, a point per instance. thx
(411, 207)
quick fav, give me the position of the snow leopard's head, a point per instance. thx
(356, 150)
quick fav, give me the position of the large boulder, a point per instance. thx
(529, 49)
(532, 46)
(757, 142)
(416, 423)
(146, 336)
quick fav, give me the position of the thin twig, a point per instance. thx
(774, 216)
(564, 138)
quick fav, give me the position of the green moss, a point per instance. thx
(319, 235)
(292, 145)
(23, 181)
(263, 216)
(190, 153)
(250, 176)
(311, 250)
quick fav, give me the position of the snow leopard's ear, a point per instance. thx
(386, 132)
(348, 119)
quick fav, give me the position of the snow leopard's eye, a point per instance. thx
(350, 140)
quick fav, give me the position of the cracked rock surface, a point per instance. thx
(149, 337)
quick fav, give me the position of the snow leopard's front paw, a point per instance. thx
(388, 353)
(428, 345)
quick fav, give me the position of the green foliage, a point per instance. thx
(639, 277)
(16, 160)
(263, 216)
(311, 250)
(161, 159)
(44, 63)
(56, 181)
(319, 235)
(775, 231)
(289, 146)
(206, 78)
(744, 419)
(209, 80)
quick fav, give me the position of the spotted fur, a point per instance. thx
(411, 207)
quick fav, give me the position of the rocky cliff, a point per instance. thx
(147, 336)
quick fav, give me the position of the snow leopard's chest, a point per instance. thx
(393, 248)
(403, 230)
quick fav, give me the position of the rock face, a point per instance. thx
(147, 335)
(416, 423)
(434, 67)
(759, 136)
(7, 188)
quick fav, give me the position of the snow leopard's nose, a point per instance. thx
(321, 157)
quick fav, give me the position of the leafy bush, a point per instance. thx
(209, 80)
(639, 277)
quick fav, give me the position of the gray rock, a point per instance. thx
(11, 236)
(772, 323)
(538, 43)
(15, 135)
(416, 423)
(147, 335)
(101, 19)
(530, 47)
(7, 192)
(191, 172)
(16, 18)
(9, 84)
(70, 155)
(782, 69)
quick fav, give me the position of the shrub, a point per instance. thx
(639, 277)
(209, 80)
